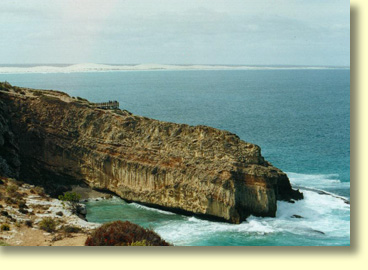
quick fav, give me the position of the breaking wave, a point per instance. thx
(319, 219)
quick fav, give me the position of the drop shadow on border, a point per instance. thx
(138, 252)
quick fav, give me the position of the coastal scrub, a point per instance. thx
(72, 198)
(120, 233)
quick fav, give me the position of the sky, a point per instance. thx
(231, 32)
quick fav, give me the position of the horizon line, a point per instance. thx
(180, 64)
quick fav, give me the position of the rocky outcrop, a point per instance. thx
(9, 152)
(193, 169)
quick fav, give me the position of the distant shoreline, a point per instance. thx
(89, 67)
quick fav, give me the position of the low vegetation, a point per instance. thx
(5, 86)
(11, 189)
(72, 198)
(37, 93)
(48, 224)
(120, 233)
(142, 243)
(5, 227)
(28, 223)
(3, 244)
(71, 229)
(50, 99)
(83, 100)
(39, 191)
(22, 214)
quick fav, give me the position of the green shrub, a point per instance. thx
(142, 243)
(23, 211)
(120, 233)
(4, 213)
(5, 227)
(37, 93)
(51, 99)
(72, 198)
(22, 204)
(48, 224)
(72, 229)
(5, 86)
(29, 223)
(38, 190)
(10, 200)
(15, 182)
(11, 189)
(18, 196)
(3, 244)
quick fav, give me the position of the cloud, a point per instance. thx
(263, 32)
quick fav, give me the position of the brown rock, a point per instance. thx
(194, 169)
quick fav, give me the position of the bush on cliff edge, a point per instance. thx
(120, 233)
(73, 199)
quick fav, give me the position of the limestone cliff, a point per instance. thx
(194, 169)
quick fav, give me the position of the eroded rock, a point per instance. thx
(193, 169)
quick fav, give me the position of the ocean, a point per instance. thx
(299, 117)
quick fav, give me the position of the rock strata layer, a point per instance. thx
(57, 139)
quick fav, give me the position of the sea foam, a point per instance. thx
(315, 220)
(318, 181)
(319, 215)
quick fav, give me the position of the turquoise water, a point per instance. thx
(300, 118)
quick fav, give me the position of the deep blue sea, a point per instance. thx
(299, 117)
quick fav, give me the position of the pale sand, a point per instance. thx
(24, 236)
(38, 208)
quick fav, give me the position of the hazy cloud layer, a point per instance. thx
(263, 32)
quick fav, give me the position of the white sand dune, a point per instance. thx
(91, 67)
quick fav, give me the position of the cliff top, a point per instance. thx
(143, 139)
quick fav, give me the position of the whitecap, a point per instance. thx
(140, 206)
(319, 181)
(321, 217)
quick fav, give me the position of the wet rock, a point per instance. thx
(296, 216)
(318, 232)
(81, 209)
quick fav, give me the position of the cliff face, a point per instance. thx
(9, 151)
(195, 169)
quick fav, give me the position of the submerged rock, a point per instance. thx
(318, 232)
(191, 169)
